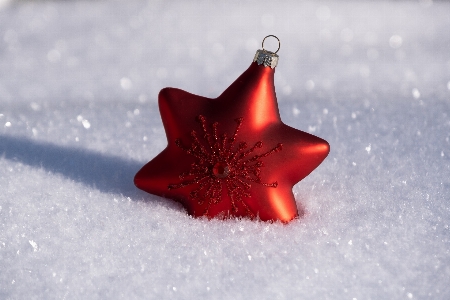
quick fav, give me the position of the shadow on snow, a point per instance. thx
(106, 173)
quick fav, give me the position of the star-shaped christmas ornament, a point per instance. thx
(232, 156)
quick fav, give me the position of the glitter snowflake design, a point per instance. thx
(221, 163)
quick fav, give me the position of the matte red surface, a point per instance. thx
(252, 98)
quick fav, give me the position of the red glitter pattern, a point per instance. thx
(221, 163)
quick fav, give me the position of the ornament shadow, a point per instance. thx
(301, 208)
(106, 173)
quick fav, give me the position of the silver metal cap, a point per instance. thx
(266, 58)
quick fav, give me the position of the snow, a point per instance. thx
(78, 117)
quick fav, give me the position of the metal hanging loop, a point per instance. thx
(279, 43)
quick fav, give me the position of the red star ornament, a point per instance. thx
(232, 156)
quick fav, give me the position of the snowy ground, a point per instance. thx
(78, 118)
